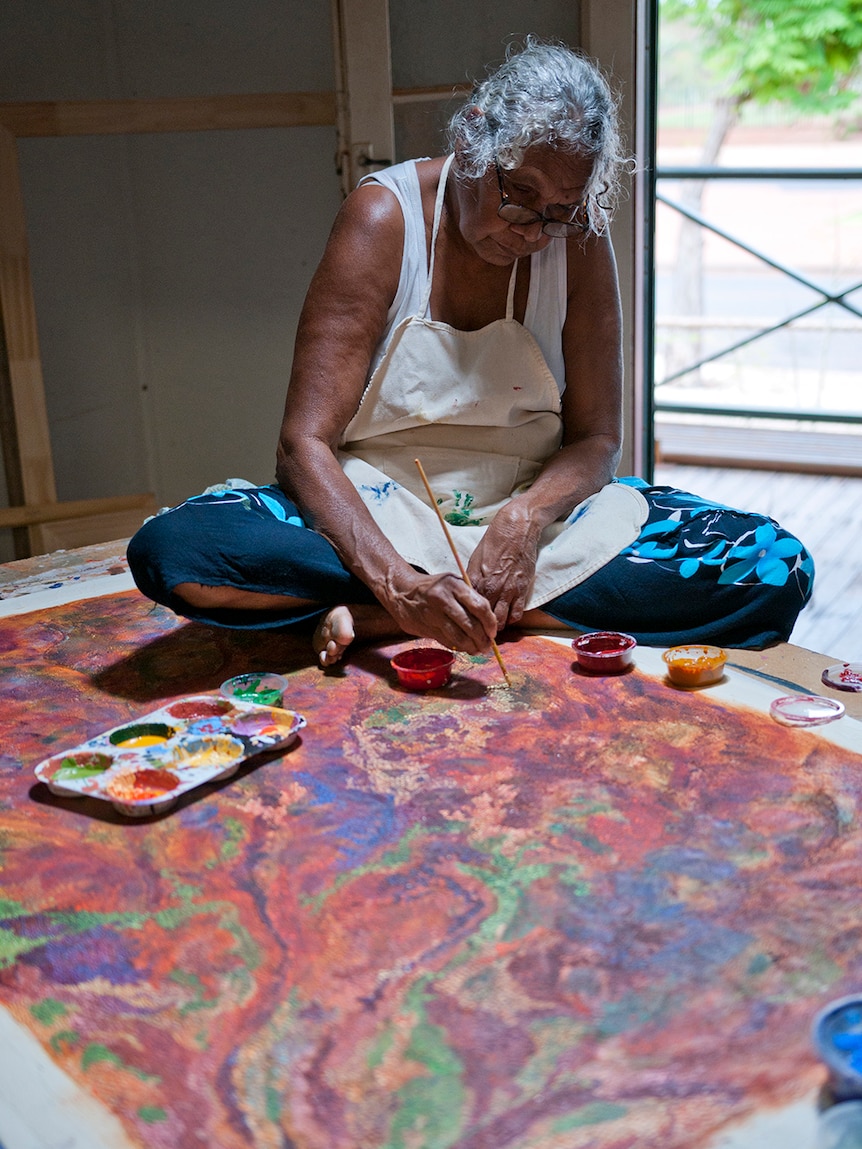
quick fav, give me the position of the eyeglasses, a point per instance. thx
(563, 220)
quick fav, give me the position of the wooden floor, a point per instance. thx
(825, 511)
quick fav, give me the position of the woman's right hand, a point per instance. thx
(442, 608)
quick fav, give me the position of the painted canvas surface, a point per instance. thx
(584, 912)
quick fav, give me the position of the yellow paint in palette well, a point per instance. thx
(141, 735)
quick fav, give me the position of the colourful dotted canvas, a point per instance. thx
(586, 911)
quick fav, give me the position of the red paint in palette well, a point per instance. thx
(199, 708)
(142, 785)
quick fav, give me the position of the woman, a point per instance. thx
(466, 314)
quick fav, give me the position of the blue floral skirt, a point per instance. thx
(698, 571)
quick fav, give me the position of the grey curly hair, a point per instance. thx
(544, 93)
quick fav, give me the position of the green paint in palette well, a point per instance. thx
(71, 768)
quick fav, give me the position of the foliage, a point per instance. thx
(802, 52)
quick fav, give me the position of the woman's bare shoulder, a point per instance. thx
(381, 203)
(370, 222)
(370, 208)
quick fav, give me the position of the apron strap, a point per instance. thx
(435, 227)
(510, 297)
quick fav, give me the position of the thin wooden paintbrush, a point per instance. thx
(461, 567)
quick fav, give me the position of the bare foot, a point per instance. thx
(333, 635)
(344, 624)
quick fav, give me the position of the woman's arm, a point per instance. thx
(340, 327)
(503, 567)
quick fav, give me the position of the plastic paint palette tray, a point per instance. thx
(143, 767)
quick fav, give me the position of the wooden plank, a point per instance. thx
(74, 509)
(24, 434)
(173, 114)
(41, 118)
(68, 534)
(435, 94)
(756, 448)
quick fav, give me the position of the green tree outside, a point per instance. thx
(802, 53)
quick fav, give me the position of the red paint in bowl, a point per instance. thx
(604, 652)
(423, 667)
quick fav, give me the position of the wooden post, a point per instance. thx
(24, 433)
(363, 65)
(617, 35)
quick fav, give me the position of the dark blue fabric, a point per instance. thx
(698, 571)
(254, 539)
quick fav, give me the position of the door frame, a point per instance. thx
(622, 37)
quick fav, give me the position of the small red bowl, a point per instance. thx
(423, 667)
(604, 652)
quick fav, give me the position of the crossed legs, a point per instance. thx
(339, 627)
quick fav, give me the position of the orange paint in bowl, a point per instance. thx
(423, 667)
(695, 665)
(604, 652)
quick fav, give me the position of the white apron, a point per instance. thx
(481, 410)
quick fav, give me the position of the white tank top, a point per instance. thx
(547, 299)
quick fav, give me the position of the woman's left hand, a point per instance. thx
(503, 565)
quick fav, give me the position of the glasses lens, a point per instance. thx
(514, 213)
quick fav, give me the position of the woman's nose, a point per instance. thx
(531, 232)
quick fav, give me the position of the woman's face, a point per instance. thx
(545, 177)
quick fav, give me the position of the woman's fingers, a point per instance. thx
(444, 608)
(473, 632)
(466, 616)
(506, 591)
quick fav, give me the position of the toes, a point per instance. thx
(330, 654)
(333, 635)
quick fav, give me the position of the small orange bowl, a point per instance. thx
(423, 667)
(695, 665)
